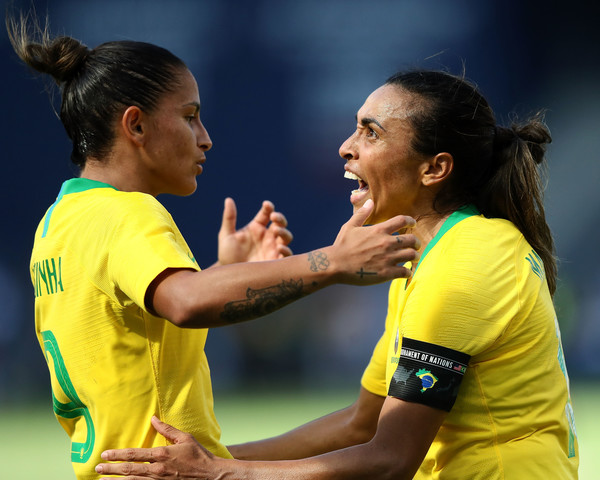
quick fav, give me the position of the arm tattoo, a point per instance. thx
(263, 301)
(318, 261)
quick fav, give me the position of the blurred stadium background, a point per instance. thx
(280, 83)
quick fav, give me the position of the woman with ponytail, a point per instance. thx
(121, 307)
(468, 380)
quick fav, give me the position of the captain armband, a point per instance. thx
(428, 374)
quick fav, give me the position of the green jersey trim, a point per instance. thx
(74, 185)
(456, 217)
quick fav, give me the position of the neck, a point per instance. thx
(428, 226)
(122, 177)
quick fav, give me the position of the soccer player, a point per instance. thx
(468, 380)
(114, 279)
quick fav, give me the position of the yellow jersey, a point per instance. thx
(474, 332)
(112, 363)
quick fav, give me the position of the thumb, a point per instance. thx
(168, 431)
(229, 218)
(360, 216)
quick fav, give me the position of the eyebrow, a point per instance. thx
(193, 104)
(368, 120)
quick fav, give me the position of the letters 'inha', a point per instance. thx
(49, 272)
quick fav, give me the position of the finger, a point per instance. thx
(283, 235)
(284, 251)
(400, 272)
(169, 431)
(264, 214)
(360, 216)
(408, 240)
(407, 255)
(128, 455)
(132, 470)
(397, 223)
(229, 217)
(279, 219)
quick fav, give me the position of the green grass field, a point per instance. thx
(33, 446)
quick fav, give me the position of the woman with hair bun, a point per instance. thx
(121, 307)
(468, 380)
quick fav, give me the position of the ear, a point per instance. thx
(132, 125)
(437, 169)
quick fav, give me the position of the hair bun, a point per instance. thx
(62, 58)
(67, 55)
(534, 133)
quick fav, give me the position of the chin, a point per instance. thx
(188, 192)
(189, 189)
(182, 191)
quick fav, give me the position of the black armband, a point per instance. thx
(428, 374)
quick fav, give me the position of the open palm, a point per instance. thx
(264, 238)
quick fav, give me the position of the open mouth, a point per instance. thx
(362, 185)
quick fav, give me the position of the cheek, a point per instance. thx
(389, 191)
(179, 152)
(384, 183)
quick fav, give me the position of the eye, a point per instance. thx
(192, 115)
(372, 133)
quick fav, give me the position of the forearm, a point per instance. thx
(365, 461)
(353, 425)
(322, 435)
(229, 294)
(403, 436)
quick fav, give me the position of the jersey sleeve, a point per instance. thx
(374, 376)
(146, 243)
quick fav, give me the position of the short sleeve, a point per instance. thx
(373, 378)
(146, 243)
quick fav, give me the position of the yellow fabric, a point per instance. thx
(113, 364)
(481, 290)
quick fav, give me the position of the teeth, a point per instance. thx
(361, 183)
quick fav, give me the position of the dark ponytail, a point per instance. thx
(97, 85)
(495, 168)
(515, 190)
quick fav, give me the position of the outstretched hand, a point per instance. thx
(266, 237)
(375, 253)
(185, 459)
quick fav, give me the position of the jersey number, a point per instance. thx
(80, 452)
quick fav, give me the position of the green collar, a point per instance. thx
(456, 216)
(74, 185)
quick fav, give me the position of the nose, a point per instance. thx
(347, 149)
(203, 139)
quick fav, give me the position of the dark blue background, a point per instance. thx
(280, 83)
